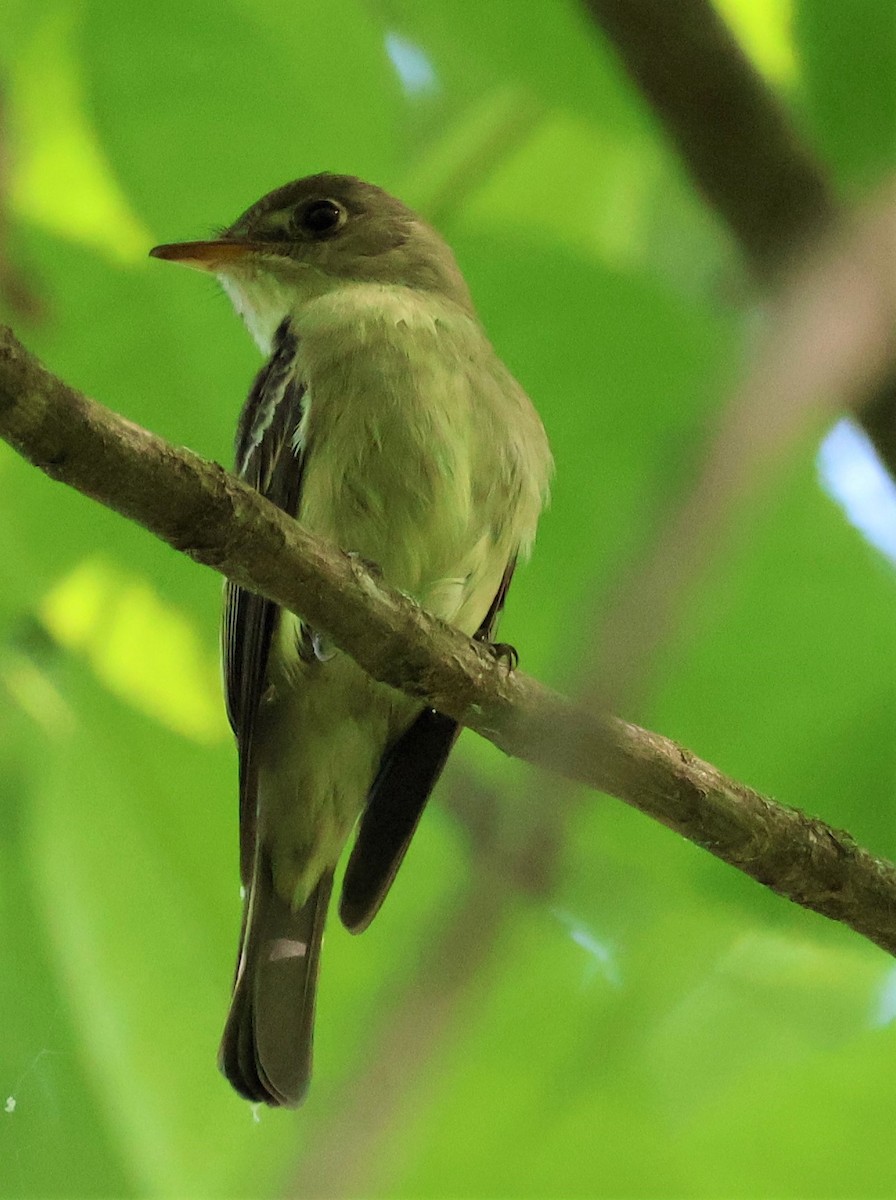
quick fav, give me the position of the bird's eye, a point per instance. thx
(321, 217)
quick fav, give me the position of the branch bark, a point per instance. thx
(201, 510)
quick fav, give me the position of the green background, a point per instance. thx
(560, 999)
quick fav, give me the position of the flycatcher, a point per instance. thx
(384, 422)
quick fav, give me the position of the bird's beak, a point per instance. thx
(205, 256)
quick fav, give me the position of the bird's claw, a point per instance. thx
(372, 568)
(506, 654)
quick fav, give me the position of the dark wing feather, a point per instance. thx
(408, 773)
(266, 458)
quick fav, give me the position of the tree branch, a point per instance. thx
(201, 510)
(737, 141)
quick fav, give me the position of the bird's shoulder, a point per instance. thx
(271, 412)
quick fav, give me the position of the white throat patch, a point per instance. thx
(262, 302)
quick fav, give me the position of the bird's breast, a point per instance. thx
(407, 462)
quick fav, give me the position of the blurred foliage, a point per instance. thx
(653, 1025)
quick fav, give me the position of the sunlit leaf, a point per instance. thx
(765, 30)
(142, 648)
(61, 179)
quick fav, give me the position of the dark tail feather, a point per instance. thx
(397, 799)
(266, 1048)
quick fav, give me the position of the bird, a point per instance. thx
(384, 421)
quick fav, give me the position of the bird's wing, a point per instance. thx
(408, 773)
(268, 458)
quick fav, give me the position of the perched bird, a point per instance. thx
(384, 422)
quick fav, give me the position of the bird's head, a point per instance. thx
(313, 235)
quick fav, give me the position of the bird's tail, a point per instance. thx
(266, 1048)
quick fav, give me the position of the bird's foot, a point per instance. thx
(373, 568)
(323, 651)
(312, 646)
(506, 654)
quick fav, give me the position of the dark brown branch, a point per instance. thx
(200, 509)
(16, 290)
(729, 127)
(738, 143)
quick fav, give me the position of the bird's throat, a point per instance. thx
(263, 303)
